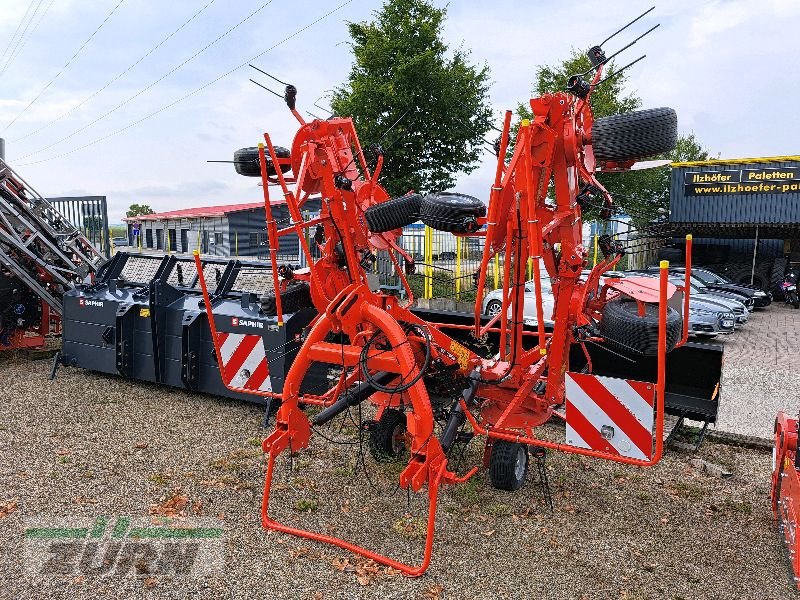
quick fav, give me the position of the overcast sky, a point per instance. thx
(726, 66)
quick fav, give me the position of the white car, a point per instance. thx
(493, 302)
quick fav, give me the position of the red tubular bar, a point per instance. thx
(272, 234)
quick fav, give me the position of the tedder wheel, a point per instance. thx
(508, 465)
(296, 296)
(634, 135)
(445, 211)
(493, 307)
(387, 438)
(393, 214)
(622, 327)
(245, 161)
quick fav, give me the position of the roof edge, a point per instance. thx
(735, 161)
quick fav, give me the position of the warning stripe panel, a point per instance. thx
(244, 361)
(610, 415)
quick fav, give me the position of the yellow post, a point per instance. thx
(428, 289)
(166, 230)
(198, 240)
(496, 271)
(530, 267)
(595, 249)
(458, 267)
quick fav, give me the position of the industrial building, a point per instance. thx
(744, 213)
(233, 230)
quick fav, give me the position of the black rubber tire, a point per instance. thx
(503, 471)
(624, 329)
(446, 211)
(496, 303)
(393, 213)
(634, 135)
(384, 444)
(743, 274)
(296, 296)
(246, 161)
(777, 274)
(673, 255)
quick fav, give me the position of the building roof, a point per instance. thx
(201, 211)
(736, 161)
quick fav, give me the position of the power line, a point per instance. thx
(153, 84)
(30, 35)
(67, 64)
(19, 26)
(22, 35)
(120, 75)
(192, 93)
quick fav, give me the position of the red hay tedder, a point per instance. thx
(389, 355)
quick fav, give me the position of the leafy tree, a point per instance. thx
(403, 70)
(136, 210)
(639, 193)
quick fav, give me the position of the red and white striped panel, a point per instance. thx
(610, 415)
(244, 361)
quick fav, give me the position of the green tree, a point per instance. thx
(640, 193)
(403, 67)
(136, 210)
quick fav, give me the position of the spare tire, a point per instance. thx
(393, 213)
(634, 135)
(246, 162)
(296, 296)
(446, 211)
(624, 329)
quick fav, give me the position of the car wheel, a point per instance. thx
(494, 307)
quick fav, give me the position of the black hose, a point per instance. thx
(362, 362)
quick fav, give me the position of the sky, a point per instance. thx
(725, 66)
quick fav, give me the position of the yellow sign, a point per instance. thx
(144, 312)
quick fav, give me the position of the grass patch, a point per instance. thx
(306, 505)
(159, 478)
(736, 506)
(412, 528)
(468, 492)
(254, 442)
(497, 510)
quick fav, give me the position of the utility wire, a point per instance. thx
(150, 86)
(13, 37)
(67, 64)
(192, 93)
(120, 75)
(22, 38)
(35, 27)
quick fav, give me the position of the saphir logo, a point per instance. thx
(236, 322)
(123, 547)
(87, 302)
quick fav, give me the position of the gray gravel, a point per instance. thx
(88, 445)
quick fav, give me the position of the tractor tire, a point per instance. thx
(457, 213)
(673, 255)
(743, 274)
(387, 436)
(634, 135)
(394, 213)
(624, 329)
(508, 465)
(296, 296)
(776, 277)
(245, 161)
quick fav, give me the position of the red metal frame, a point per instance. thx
(785, 490)
(327, 159)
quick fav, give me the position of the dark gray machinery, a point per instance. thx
(144, 319)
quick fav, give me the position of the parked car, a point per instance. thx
(701, 288)
(715, 282)
(120, 241)
(493, 302)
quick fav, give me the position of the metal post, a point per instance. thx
(755, 251)
(2, 149)
(458, 268)
(428, 287)
(595, 249)
(497, 270)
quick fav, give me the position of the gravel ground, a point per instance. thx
(88, 445)
(762, 371)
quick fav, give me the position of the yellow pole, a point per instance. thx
(530, 267)
(166, 230)
(496, 271)
(198, 241)
(458, 267)
(428, 293)
(595, 249)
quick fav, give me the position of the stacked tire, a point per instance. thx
(627, 331)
